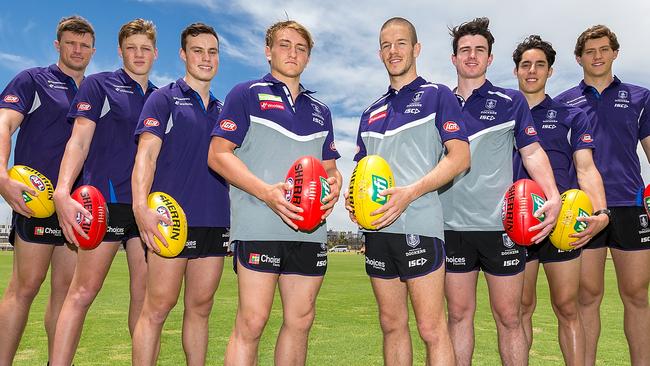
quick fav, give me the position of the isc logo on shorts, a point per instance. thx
(511, 262)
(417, 262)
(322, 263)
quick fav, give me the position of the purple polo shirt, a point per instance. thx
(620, 117)
(562, 130)
(113, 101)
(176, 114)
(43, 95)
(271, 132)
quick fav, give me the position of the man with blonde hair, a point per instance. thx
(260, 118)
(37, 101)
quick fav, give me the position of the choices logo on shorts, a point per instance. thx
(254, 258)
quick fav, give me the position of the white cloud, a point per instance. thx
(15, 63)
(161, 79)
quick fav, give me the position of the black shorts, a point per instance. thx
(34, 230)
(205, 242)
(121, 223)
(405, 256)
(546, 252)
(628, 229)
(492, 251)
(282, 257)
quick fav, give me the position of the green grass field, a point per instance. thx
(345, 332)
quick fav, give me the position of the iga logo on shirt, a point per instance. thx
(451, 126)
(83, 106)
(332, 146)
(530, 131)
(11, 99)
(586, 138)
(151, 122)
(228, 125)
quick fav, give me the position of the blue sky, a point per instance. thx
(344, 67)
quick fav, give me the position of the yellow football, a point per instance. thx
(175, 234)
(575, 203)
(371, 176)
(41, 205)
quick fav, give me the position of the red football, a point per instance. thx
(93, 201)
(309, 186)
(520, 202)
(646, 199)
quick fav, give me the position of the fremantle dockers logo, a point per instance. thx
(622, 94)
(316, 108)
(412, 240)
(537, 204)
(417, 96)
(643, 220)
(324, 189)
(507, 242)
(378, 184)
(580, 226)
(551, 114)
(323, 246)
(490, 103)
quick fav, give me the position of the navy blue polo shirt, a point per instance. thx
(562, 130)
(498, 120)
(271, 132)
(176, 114)
(620, 117)
(43, 95)
(113, 100)
(408, 128)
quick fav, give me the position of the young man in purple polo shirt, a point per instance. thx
(173, 138)
(416, 126)
(266, 124)
(498, 120)
(620, 115)
(573, 167)
(37, 101)
(105, 112)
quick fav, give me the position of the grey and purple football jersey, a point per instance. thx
(562, 130)
(498, 120)
(43, 95)
(177, 115)
(620, 117)
(408, 128)
(113, 101)
(271, 132)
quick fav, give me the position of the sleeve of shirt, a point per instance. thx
(19, 93)
(329, 148)
(644, 118)
(525, 133)
(582, 136)
(449, 120)
(234, 119)
(89, 100)
(361, 151)
(155, 116)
